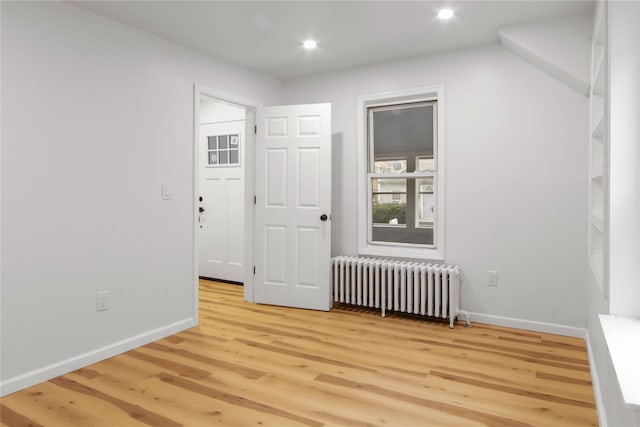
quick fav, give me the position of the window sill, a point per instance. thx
(623, 340)
(402, 252)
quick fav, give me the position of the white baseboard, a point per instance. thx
(60, 368)
(529, 325)
(597, 391)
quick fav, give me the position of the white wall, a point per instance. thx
(559, 47)
(214, 111)
(624, 158)
(516, 176)
(96, 116)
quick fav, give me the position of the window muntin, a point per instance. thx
(402, 161)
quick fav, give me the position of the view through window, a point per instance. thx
(402, 173)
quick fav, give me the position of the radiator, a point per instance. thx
(401, 286)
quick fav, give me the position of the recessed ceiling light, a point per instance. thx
(445, 14)
(309, 44)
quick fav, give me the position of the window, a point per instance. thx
(401, 210)
(223, 150)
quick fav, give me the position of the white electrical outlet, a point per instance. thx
(493, 278)
(104, 301)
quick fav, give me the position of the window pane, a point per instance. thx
(425, 185)
(234, 157)
(403, 132)
(223, 141)
(389, 201)
(425, 206)
(393, 213)
(213, 158)
(389, 191)
(401, 140)
(224, 157)
(425, 164)
(212, 142)
(233, 141)
(390, 166)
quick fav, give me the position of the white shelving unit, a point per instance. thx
(598, 150)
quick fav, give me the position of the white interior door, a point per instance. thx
(293, 206)
(221, 218)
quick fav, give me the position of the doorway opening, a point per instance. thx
(262, 199)
(224, 140)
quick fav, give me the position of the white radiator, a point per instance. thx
(408, 287)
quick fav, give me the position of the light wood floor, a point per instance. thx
(248, 365)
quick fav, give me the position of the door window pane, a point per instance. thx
(224, 157)
(213, 158)
(234, 157)
(223, 141)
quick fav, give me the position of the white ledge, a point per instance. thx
(623, 339)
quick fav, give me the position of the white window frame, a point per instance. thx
(390, 249)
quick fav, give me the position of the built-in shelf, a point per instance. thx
(597, 116)
(598, 85)
(597, 76)
(623, 340)
(598, 152)
(597, 131)
(596, 172)
(599, 30)
(597, 222)
(595, 262)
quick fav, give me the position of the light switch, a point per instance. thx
(493, 278)
(166, 195)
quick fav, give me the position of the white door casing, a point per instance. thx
(293, 192)
(221, 223)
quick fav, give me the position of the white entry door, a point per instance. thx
(293, 206)
(221, 218)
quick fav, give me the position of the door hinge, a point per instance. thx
(254, 269)
(255, 129)
(255, 200)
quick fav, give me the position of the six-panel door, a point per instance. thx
(293, 206)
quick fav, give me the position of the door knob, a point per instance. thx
(323, 217)
(201, 209)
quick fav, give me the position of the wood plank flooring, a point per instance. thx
(248, 365)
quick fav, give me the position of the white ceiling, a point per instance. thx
(267, 35)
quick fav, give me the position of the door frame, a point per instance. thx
(249, 185)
